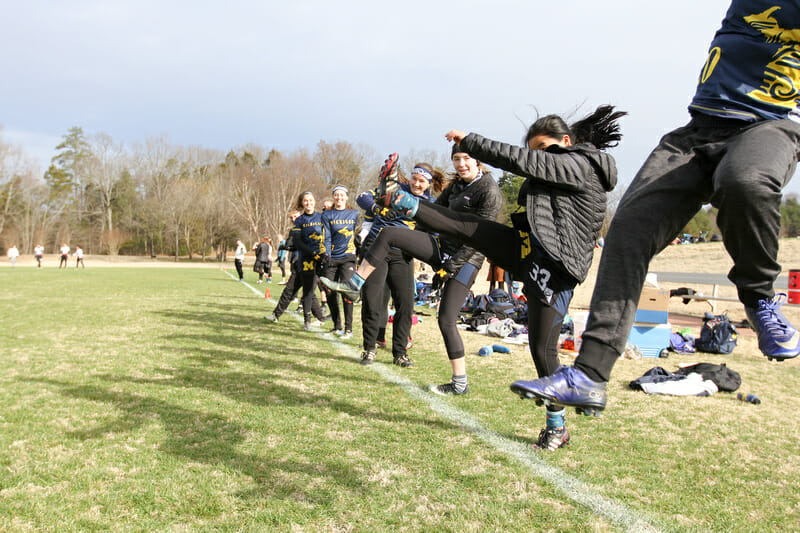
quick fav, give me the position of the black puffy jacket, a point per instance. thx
(482, 198)
(564, 194)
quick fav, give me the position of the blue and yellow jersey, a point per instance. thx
(309, 235)
(753, 67)
(340, 232)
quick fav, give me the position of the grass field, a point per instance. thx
(143, 399)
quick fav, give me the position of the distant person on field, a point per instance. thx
(64, 255)
(238, 258)
(263, 263)
(13, 253)
(38, 254)
(738, 152)
(79, 257)
(281, 258)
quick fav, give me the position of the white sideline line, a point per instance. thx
(573, 488)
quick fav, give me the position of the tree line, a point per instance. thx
(155, 198)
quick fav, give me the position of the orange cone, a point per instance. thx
(266, 294)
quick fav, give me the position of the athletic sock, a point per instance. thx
(460, 383)
(555, 419)
(356, 281)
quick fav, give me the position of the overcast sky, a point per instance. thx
(392, 75)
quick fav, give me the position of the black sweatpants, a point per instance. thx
(239, 270)
(396, 272)
(510, 249)
(340, 269)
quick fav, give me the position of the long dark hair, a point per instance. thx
(599, 128)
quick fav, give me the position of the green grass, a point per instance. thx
(141, 399)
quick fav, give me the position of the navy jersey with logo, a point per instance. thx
(340, 229)
(308, 235)
(753, 67)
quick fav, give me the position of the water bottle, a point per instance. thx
(749, 398)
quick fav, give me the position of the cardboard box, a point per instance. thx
(653, 306)
(650, 338)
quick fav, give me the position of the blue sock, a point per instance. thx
(356, 281)
(555, 419)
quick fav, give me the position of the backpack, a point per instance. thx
(480, 319)
(717, 335)
(500, 304)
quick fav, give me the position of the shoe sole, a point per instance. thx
(779, 358)
(384, 184)
(541, 399)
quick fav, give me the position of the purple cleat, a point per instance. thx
(566, 386)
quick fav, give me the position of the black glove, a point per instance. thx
(439, 279)
(321, 265)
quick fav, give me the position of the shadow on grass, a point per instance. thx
(211, 439)
(215, 352)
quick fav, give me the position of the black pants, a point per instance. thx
(425, 247)
(396, 272)
(63, 261)
(291, 289)
(739, 169)
(263, 267)
(282, 266)
(509, 249)
(340, 269)
(239, 270)
(309, 281)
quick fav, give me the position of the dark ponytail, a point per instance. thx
(599, 128)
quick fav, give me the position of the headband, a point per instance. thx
(424, 172)
(340, 188)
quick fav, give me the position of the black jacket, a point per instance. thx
(262, 255)
(482, 198)
(564, 194)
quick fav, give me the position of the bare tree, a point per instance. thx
(287, 176)
(343, 163)
(104, 171)
(14, 167)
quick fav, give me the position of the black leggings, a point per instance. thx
(396, 272)
(239, 270)
(503, 246)
(291, 289)
(340, 270)
(425, 247)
